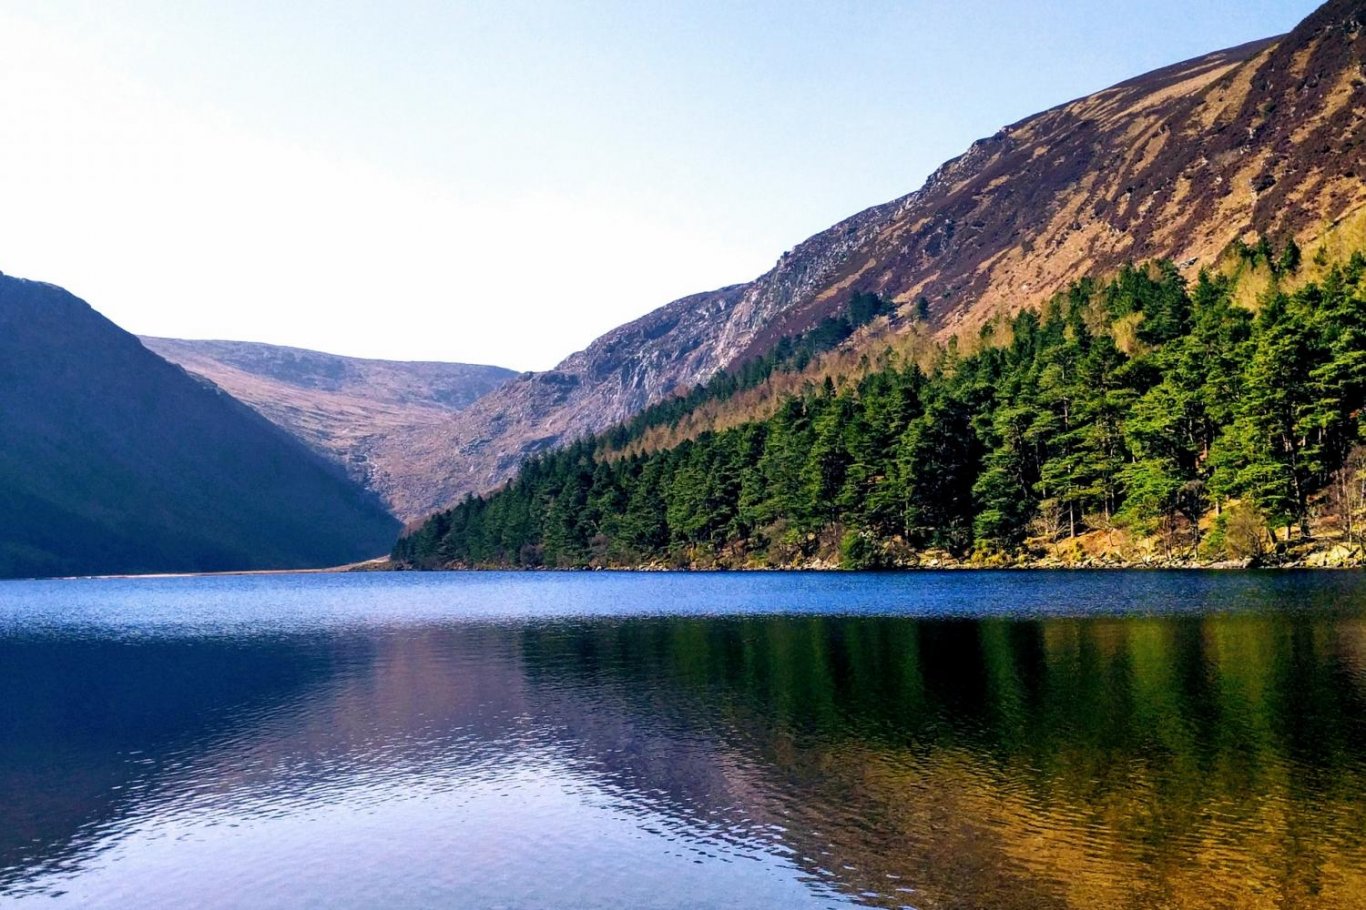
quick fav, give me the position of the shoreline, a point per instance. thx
(1093, 551)
(323, 570)
(385, 565)
(1355, 564)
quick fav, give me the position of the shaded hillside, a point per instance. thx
(116, 461)
(1263, 138)
(345, 408)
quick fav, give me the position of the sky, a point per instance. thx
(503, 181)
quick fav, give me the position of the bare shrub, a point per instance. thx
(1245, 532)
(1102, 521)
(1346, 496)
(1048, 521)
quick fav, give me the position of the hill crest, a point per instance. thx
(116, 461)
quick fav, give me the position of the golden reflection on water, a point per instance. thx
(1195, 763)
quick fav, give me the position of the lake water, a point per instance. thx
(929, 740)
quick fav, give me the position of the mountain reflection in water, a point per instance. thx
(833, 756)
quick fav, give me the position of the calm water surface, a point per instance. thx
(944, 740)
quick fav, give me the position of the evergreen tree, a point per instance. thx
(1057, 425)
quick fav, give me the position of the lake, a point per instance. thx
(620, 740)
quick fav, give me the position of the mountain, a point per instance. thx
(1265, 138)
(617, 375)
(1143, 419)
(1261, 139)
(351, 410)
(116, 461)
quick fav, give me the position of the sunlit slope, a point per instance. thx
(1260, 139)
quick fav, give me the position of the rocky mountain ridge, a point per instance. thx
(1264, 138)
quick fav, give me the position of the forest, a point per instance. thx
(1145, 409)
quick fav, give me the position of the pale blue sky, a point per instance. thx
(502, 182)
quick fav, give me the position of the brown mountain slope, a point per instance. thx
(1266, 137)
(344, 408)
(1263, 138)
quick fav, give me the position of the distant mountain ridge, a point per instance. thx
(115, 461)
(617, 375)
(348, 409)
(1264, 138)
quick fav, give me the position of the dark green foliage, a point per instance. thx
(1286, 262)
(864, 307)
(1055, 433)
(791, 353)
(937, 464)
(1289, 261)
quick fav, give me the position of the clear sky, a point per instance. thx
(502, 181)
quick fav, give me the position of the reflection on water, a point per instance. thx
(364, 742)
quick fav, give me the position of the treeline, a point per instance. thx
(1140, 404)
(792, 353)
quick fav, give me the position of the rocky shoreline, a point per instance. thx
(1337, 556)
